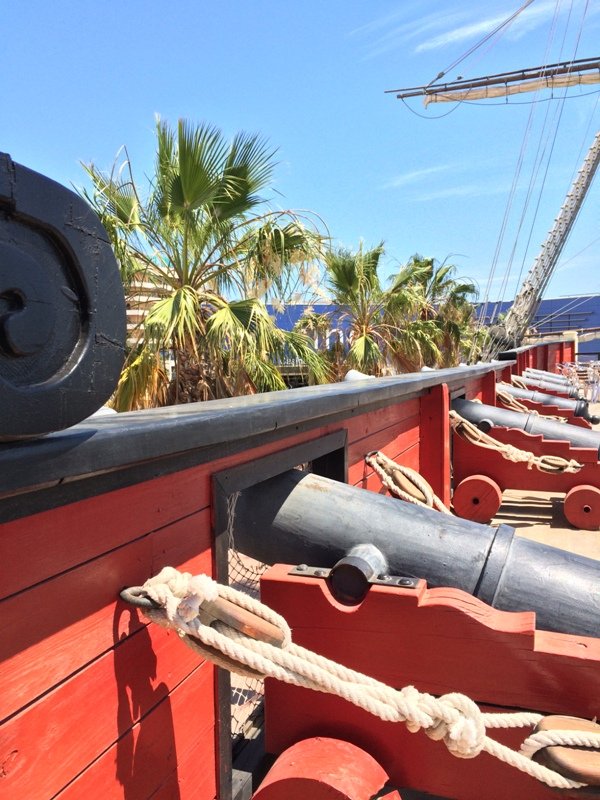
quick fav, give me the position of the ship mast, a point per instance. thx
(566, 73)
(522, 311)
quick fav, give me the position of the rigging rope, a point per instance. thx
(505, 23)
(453, 718)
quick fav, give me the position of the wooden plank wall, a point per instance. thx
(95, 702)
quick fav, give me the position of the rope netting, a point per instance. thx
(247, 691)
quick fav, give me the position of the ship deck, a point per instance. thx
(539, 516)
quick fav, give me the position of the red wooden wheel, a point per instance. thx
(477, 498)
(324, 769)
(582, 507)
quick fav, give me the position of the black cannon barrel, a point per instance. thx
(570, 391)
(62, 306)
(485, 416)
(579, 407)
(299, 517)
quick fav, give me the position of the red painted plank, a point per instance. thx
(434, 448)
(360, 474)
(57, 737)
(474, 389)
(169, 755)
(41, 545)
(488, 389)
(364, 425)
(394, 439)
(53, 629)
(440, 641)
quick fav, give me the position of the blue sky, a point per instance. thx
(83, 77)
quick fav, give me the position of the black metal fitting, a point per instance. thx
(137, 596)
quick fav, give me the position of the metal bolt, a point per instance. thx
(405, 582)
(301, 567)
(383, 577)
(319, 573)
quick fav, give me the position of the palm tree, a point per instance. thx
(379, 324)
(201, 235)
(444, 301)
(356, 292)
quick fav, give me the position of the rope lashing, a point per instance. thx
(181, 600)
(404, 482)
(518, 382)
(545, 463)
(508, 401)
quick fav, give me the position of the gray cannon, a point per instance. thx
(301, 518)
(552, 386)
(580, 408)
(486, 417)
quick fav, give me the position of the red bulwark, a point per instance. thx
(440, 641)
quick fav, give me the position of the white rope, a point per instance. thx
(390, 473)
(453, 718)
(508, 401)
(545, 463)
(518, 382)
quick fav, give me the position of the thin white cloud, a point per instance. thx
(392, 32)
(533, 16)
(464, 190)
(383, 22)
(414, 176)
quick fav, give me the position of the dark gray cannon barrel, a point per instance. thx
(487, 416)
(303, 518)
(570, 391)
(579, 407)
(62, 306)
(543, 375)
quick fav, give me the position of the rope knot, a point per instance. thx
(460, 724)
(180, 593)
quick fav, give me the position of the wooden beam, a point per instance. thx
(555, 82)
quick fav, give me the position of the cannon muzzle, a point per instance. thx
(299, 517)
(580, 408)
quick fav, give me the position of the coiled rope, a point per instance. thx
(453, 718)
(546, 463)
(508, 401)
(404, 482)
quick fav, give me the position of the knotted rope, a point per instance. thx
(453, 718)
(546, 463)
(404, 482)
(508, 401)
